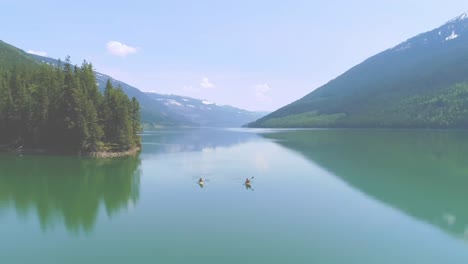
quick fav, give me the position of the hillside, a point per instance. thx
(152, 112)
(205, 113)
(11, 57)
(60, 109)
(420, 83)
(173, 110)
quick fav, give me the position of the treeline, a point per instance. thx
(445, 108)
(60, 107)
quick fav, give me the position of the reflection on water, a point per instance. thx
(201, 182)
(191, 140)
(298, 213)
(68, 189)
(423, 173)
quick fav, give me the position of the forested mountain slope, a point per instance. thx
(60, 108)
(153, 112)
(206, 113)
(174, 110)
(420, 83)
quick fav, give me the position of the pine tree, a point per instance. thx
(136, 121)
(60, 107)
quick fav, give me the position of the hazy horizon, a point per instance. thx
(256, 56)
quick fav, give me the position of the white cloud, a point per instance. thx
(120, 49)
(261, 93)
(40, 53)
(205, 83)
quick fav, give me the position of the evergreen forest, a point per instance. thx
(60, 108)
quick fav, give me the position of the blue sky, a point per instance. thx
(257, 55)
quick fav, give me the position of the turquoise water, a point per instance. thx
(318, 196)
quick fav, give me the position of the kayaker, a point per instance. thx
(247, 181)
(200, 181)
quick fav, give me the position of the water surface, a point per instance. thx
(318, 196)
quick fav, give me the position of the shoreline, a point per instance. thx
(96, 154)
(107, 154)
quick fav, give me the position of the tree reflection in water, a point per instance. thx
(71, 190)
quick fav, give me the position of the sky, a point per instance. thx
(252, 54)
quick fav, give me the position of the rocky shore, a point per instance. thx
(107, 154)
(98, 154)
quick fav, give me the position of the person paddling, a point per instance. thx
(247, 181)
(200, 181)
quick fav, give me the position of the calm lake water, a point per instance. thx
(318, 196)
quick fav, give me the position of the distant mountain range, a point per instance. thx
(420, 83)
(205, 113)
(173, 110)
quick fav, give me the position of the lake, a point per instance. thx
(317, 196)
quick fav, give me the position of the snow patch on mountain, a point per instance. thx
(403, 46)
(452, 36)
(460, 18)
(173, 102)
(207, 102)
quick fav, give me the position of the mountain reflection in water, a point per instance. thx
(422, 173)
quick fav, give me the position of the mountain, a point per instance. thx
(420, 83)
(11, 57)
(174, 110)
(152, 112)
(53, 109)
(205, 113)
